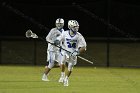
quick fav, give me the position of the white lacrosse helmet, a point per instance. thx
(73, 25)
(59, 23)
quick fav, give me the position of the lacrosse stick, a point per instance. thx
(30, 34)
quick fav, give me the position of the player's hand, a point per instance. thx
(56, 42)
(75, 53)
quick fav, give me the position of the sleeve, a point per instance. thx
(82, 42)
(49, 37)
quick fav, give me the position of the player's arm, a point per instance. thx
(60, 37)
(50, 36)
(82, 43)
(58, 40)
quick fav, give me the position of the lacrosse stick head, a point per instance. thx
(28, 33)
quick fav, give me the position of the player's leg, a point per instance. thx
(62, 66)
(66, 79)
(71, 62)
(57, 59)
(45, 75)
(61, 79)
(49, 67)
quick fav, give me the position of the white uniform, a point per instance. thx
(71, 43)
(53, 52)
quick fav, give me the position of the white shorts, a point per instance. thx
(54, 56)
(65, 57)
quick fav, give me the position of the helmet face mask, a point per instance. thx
(75, 28)
(73, 25)
(59, 23)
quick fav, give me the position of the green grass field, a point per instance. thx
(27, 79)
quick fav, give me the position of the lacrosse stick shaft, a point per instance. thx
(33, 35)
(85, 60)
(70, 52)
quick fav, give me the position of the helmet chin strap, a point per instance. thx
(72, 33)
(59, 28)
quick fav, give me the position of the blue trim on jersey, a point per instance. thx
(60, 51)
(60, 30)
(73, 32)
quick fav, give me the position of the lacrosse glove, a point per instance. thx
(75, 53)
(56, 42)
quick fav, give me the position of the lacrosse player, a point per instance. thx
(53, 52)
(74, 42)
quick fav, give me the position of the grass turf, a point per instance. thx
(27, 79)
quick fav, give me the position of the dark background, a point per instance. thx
(110, 27)
(97, 18)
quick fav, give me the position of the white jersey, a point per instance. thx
(72, 43)
(53, 34)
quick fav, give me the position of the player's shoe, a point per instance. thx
(66, 82)
(61, 79)
(44, 78)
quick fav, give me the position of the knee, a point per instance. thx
(70, 67)
(51, 65)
